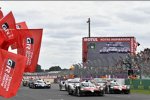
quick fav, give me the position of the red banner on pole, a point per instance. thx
(21, 25)
(7, 23)
(1, 14)
(29, 43)
(11, 72)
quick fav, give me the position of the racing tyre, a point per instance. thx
(127, 92)
(69, 91)
(79, 93)
(101, 93)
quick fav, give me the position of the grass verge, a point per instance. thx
(141, 91)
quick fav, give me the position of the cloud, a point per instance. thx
(134, 17)
(64, 25)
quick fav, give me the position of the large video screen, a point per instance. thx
(107, 50)
(109, 47)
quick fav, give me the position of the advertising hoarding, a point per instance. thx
(107, 49)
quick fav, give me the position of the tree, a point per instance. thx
(38, 68)
(55, 68)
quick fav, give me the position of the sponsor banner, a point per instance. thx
(11, 72)
(7, 42)
(1, 14)
(29, 43)
(6, 35)
(20, 25)
(108, 48)
(105, 39)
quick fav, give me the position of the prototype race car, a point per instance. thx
(67, 82)
(88, 88)
(100, 82)
(25, 82)
(62, 85)
(115, 87)
(39, 84)
(71, 86)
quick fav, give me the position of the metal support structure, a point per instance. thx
(89, 30)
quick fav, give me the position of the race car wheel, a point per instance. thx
(101, 93)
(111, 91)
(66, 87)
(34, 87)
(79, 93)
(69, 91)
(127, 92)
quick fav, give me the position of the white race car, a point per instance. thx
(62, 85)
(115, 87)
(67, 82)
(100, 82)
(39, 84)
(71, 86)
(88, 88)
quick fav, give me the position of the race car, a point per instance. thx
(62, 85)
(39, 84)
(48, 83)
(88, 88)
(115, 87)
(67, 82)
(71, 86)
(100, 82)
(25, 82)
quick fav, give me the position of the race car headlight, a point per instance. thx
(101, 88)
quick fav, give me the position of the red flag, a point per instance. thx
(29, 43)
(11, 72)
(1, 38)
(6, 42)
(1, 14)
(7, 23)
(20, 25)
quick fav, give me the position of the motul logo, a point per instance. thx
(90, 39)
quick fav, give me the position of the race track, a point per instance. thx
(25, 93)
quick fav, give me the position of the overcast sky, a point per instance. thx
(64, 24)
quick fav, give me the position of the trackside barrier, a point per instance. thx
(138, 83)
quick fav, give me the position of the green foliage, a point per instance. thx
(55, 68)
(38, 68)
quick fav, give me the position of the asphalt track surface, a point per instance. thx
(25, 93)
